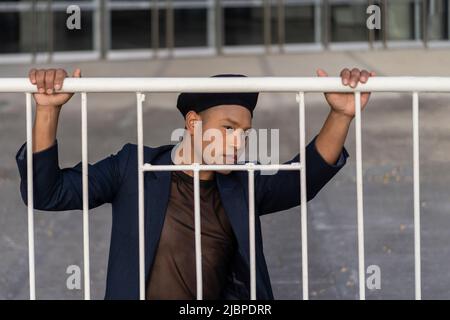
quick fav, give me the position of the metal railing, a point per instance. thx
(298, 85)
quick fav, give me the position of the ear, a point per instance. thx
(191, 119)
(321, 73)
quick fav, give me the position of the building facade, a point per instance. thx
(37, 31)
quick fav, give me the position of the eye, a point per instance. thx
(229, 129)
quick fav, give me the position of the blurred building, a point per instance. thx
(35, 31)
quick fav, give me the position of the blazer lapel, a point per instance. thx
(234, 201)
(157, 192)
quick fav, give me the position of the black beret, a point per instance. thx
(199, 101)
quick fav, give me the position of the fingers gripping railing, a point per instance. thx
(264, 84)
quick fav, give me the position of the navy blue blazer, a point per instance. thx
(114, 180)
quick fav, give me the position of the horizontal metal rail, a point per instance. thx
(249, 84)
(231, 167)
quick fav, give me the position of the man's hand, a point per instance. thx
(48, 104)
(48, 82)
(344, 103)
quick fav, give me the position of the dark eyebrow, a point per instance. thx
(236, 123)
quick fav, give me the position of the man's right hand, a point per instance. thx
(48, 82)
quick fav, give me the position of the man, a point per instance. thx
(169, 204)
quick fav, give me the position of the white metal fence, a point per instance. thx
(298, 85)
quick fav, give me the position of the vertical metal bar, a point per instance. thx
(359, 191)
(326, 23)
(169, 27)
(417, 19)
(210, 23)
(155, 26)
(448, 19)
(49, 31)
(417, 258)
(105, 24)
(371, 32)
(34, 39)
(84, 152)
(425, 23)
(267, 25)
(281, 25)
(97, 26)
(139, 99)
(317, 22)
(219, 26)
(30, 202)
(251, 224)
(198, 242)
(303, 195)
(384, 22)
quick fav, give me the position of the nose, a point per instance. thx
(238, 139)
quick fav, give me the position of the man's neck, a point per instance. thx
(204, 175)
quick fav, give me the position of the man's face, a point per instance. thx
(223, 131)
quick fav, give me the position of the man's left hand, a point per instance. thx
(343, 103)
